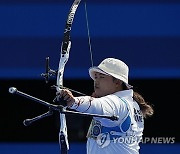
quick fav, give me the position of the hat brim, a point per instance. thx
(94, 69)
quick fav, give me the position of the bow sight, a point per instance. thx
(49, 72)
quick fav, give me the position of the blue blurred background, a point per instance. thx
(144, 34)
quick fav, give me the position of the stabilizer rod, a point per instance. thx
(59, 108)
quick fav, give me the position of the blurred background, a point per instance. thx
(144, 34)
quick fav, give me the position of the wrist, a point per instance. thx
(71, 103)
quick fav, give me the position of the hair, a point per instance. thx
(145, 107)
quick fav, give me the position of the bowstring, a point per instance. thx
(75, 91)
(88, 31)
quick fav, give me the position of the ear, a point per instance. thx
(118, 82)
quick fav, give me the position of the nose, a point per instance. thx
(96, 82)
(96, 79)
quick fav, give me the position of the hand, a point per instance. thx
(67, 96)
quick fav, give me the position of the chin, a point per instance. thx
(98, 93)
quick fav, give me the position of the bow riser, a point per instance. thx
(65, 48)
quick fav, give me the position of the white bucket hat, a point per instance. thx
(113, 67)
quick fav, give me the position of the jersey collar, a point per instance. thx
(124, 93)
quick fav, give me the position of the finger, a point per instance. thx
(66, 97)
(69, 101)
(63, 93)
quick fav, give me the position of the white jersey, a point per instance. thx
(109, 137)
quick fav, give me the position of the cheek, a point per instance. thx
(106, 85)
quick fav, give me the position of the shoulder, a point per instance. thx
(117, 103)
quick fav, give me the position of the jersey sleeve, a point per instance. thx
(107, 105)
(88, 104)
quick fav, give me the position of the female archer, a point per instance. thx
(112, 96)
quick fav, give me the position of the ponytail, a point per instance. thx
(146, 109)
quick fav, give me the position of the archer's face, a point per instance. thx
(103, 84)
